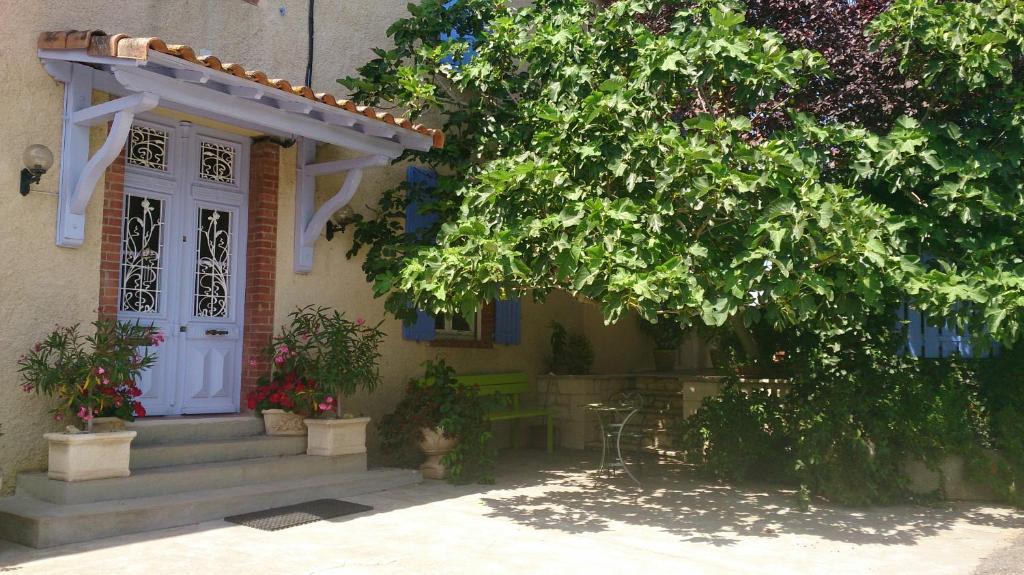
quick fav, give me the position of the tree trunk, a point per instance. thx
(746, 338)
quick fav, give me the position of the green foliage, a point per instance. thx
(93, 375)
(588, 154)
(571, 353)
(667, 333)
(339, 356)
(739, 436)
(1002, 390)
(438, 401)
(856, 413)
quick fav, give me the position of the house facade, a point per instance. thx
(193, 177)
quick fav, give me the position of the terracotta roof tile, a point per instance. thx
(98, 43)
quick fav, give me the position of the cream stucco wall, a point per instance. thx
(41, 284)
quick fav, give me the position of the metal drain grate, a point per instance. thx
(299, 514)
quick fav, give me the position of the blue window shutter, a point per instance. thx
(454, 35)
(420, 180)
(507, 321)
(420, 330)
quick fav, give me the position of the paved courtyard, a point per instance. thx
(549, 515)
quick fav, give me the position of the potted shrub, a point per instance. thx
(667, 334)
(446, 421)
(328, 357)
(571, 353)
(91, 377)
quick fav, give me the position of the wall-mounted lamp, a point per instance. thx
(345, 217)
(38, 158)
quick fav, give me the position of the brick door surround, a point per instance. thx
(260, 264)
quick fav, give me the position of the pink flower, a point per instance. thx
(279, 360)
(84, 413)
(100, 371)
(252, 362)
(360, 321)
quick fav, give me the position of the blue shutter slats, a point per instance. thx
(419, 180)
(507, 321)
(926, 341)
(420, 330)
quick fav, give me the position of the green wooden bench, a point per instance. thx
(506, 389)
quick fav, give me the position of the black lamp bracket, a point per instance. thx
(29, 177)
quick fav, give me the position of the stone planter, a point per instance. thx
(281, 422)
(85, 456)
(950, 479)
(435, 446)
(105, 424)
(332, 437)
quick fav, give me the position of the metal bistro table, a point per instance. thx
(614, 418)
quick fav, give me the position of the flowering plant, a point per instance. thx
(331, 355)
(94, 375)
(288, 391)
(438, 401)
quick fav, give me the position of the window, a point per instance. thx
(457, 327)
(496, 323)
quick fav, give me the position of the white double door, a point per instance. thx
(182, 261)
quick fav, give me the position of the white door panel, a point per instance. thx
(189, 281)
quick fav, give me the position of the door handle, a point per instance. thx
(217, 332)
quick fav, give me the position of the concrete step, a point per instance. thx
(36, 523)
(181, 478)
(186, 429)
(209, 451)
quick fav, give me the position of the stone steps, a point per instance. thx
(147, 456)
(181, 478)
(186, 429)
(38, 523)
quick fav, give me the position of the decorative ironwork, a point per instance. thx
(141, 268)
(213, 263)
(217, 163)
(147, 148)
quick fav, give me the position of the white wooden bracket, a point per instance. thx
(310, 221)
(79, 173)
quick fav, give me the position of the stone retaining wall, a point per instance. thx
(668, 399)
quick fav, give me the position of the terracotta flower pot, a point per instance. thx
(435, 446)
(281, 422)
(332, 437)
(85, 456)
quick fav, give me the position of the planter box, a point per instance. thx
(331, 437)
(85, 456)
(281, 422)
(950, 480)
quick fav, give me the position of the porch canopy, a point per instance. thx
(143, 73)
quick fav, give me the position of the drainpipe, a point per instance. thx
(309, 56)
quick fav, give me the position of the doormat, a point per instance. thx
(291, 515)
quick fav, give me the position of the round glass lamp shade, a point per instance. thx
(37, 158)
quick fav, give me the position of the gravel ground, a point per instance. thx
(1006, 561)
